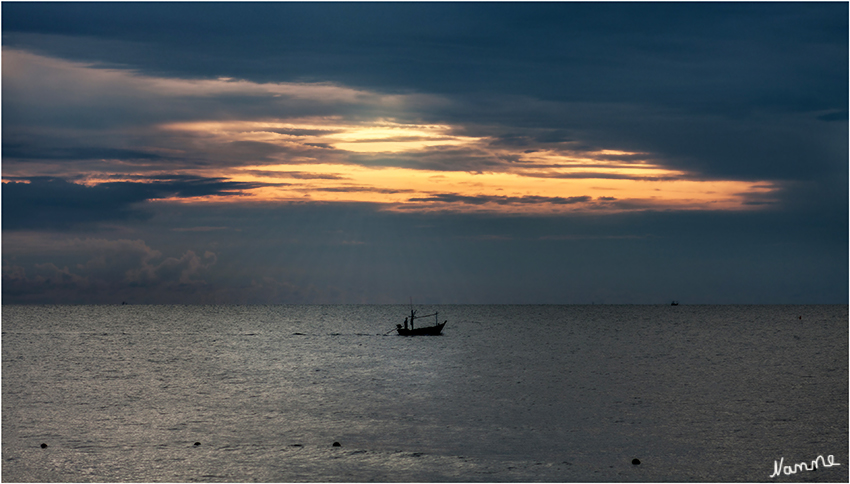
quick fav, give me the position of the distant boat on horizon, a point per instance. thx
(674, 303)
(426, 331)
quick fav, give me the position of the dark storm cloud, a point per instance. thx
(439, 158)
(500, 200)
(665, 52)
(602, 176)
(298, 132)
(110, 271)
(50, 203)
(532, 138)
(387, 191)
(299, 175)
(37, 151)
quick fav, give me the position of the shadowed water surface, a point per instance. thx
(508, 393)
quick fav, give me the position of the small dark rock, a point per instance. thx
(197, 444)
(636, 462)
(336, 444)
(43, 446)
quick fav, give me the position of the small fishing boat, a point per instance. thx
(426, 331)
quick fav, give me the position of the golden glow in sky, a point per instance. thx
(376, 137)
(362, 151)
(429, 169)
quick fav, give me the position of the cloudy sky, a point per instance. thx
(450, 153)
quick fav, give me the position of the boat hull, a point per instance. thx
(428, 331)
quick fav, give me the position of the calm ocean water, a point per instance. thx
(507, 393)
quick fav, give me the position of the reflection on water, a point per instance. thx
(508, 393)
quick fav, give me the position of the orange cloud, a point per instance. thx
(372, 156)
(409, 189)
(551, 180)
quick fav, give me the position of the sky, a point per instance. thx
(451, 153)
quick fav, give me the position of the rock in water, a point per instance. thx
(636, 462)
(336, 444)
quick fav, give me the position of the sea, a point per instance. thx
(312, 393)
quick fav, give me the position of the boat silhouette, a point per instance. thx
(424, 331)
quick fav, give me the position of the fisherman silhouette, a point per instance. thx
(405, 323)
